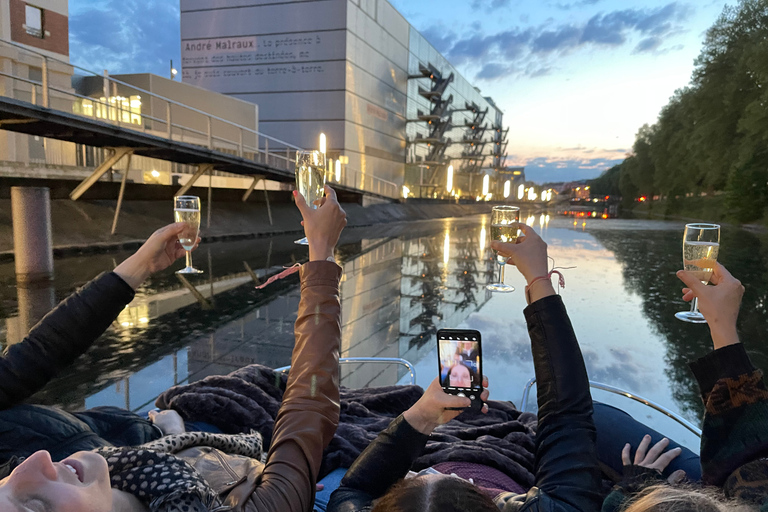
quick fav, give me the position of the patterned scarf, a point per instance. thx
(162, 481)
(166, 483)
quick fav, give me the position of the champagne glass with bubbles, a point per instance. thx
(187, 210)
(502, 218)
(310, 179)
(701, 243)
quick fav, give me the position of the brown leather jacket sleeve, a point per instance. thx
(309, 414)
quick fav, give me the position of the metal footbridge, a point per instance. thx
(208, 143)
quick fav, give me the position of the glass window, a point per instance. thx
(34, 21)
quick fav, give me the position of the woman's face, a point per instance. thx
(460, 377)
(79, 483)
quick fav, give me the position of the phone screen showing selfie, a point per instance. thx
(460, 361)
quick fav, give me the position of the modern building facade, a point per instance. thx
(395, 111)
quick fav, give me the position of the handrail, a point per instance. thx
(152, 94)
(379, 360)
(115, 113)
(617, 391)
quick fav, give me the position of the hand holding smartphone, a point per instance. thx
(460, 366)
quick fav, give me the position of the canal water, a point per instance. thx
(401, 283)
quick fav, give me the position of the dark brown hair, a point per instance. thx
(434, 495)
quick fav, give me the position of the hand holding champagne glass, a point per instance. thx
(701, 244)
(310, 179)
(187, 210)
(503, 230)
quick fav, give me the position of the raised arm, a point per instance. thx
(69, 329)
(309, 413)
(390, 456)
(735, 430)
(566, 459)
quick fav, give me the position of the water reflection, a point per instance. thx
(400, 285)
(650, 260)
(396, 292)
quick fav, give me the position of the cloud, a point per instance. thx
(492, 4)
(576, 5)
(530, 52)
(128, 36)
(553, 169)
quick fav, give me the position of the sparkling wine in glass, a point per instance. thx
(701, 243)
(187, 210)
(310, 179)
(502, 230)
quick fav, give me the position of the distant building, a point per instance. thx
(395, 110)
(43, 27)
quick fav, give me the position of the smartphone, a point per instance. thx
(460, 364)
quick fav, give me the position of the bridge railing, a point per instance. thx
(148, 112)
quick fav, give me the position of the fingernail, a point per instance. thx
(646, 436)
(295, 193)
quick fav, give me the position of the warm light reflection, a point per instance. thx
(338, 171)
(482, 240)
(541, 220)
(486, 184)
(406, 191)
(531, 220)
(446, 248)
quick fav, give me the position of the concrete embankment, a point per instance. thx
(84, 226)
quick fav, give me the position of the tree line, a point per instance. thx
(712, 136)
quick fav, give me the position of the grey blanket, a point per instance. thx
(250, 397)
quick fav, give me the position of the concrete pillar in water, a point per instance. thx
(33, 256)
(32, 239)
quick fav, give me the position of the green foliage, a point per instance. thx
(747, 190)
(711, 134)
(607, 184)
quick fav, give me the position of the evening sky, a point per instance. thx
(575, 78)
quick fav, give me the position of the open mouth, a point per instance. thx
(75, 467)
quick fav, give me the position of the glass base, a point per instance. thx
(688, 316)
(189, 270)
(500, 287)
(301, 241)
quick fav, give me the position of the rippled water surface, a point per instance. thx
(401, 283)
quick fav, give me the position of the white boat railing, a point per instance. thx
(637, 398)
(375, 360)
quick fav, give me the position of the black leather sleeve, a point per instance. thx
(60, 337)
(385, 461)
(566, 457)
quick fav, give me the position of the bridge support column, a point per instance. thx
(120, 195)
(88, 182)
(252, 186)
(201, 169)
(32, 240)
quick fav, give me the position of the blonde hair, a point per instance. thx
(665, 498)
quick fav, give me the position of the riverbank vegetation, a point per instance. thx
(709, 146)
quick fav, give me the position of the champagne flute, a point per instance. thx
(187, 210)
(502, 231)
(701, 243)
(310, 179)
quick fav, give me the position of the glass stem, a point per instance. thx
(501, 273)
(695, 306)
(189, 259)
